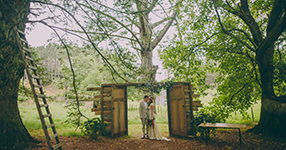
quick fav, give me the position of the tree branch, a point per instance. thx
(230, 101)
(152, 6)
(247, 18)
(89, 39)
(254, 68)
(272, 36)
(164, 30)
(117, 21)
(275, 14)
(71, 67)
(247, 36)
(228, 33)
(159, 22)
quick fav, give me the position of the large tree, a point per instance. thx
(139, 24)
(247, 40)
(13, 134)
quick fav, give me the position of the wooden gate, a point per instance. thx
(112, 106)
(179, 109)
(119, 111)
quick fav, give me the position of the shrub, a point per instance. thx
(94, 128)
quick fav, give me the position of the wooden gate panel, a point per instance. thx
(177, 110)
(115, 118)
(118, 111)
(122, 117)
(174, 115)
(182, 117)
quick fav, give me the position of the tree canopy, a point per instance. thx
(246, 40)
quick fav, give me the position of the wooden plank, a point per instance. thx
(195, 109)
(169, 112)
(115, 117)
(107, 99)
(97, 112)
(106, 106)
(107, 120)
(187, 96)
(106, 102)
(91, 99)
(195, 95)
(118, 93)
(222, 125)
(93, 88)
(106, 112)
(99, 109)
(197, 104)
(126, 111)
(121, 116)
(176, 97)
(186, 87)
(106, 116)
(106, 89)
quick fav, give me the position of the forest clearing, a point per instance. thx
(75, 139)
(185, 68)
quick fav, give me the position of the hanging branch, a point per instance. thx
(115, 45)
(73, 74)
(85, 32)
(227, 32)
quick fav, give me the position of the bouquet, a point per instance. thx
(151, 122)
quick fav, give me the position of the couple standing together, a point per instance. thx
(149, 125)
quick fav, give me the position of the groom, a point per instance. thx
(143, 111)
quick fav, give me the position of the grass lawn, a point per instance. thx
(31, 119)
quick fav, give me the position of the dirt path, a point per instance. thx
(224, 140)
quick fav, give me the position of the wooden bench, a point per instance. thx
(206, 127)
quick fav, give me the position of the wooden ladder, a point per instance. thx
(31, 70)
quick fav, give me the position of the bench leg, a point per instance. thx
(239, 137)
(207, 135)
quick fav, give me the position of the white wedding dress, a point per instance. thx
(154, 133)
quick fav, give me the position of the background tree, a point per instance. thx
(133, 23)
(247, 40)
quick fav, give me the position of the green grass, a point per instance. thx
(235, 117)
(31, 119)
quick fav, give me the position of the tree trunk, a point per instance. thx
(271, 124)
(13, 134)
(273, 109)
(146, 64)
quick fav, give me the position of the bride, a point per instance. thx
(153, 130)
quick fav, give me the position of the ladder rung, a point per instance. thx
(57, 146)
(26, 49)
(54, 135)
(21, 32)
(27, 57)
(51, 125)
(35, 77)
(41, 96)
(38, 86)
(47, 115)
(44, 105)
(32, 67)
(23, 40)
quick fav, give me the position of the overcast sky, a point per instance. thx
(40, 34)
